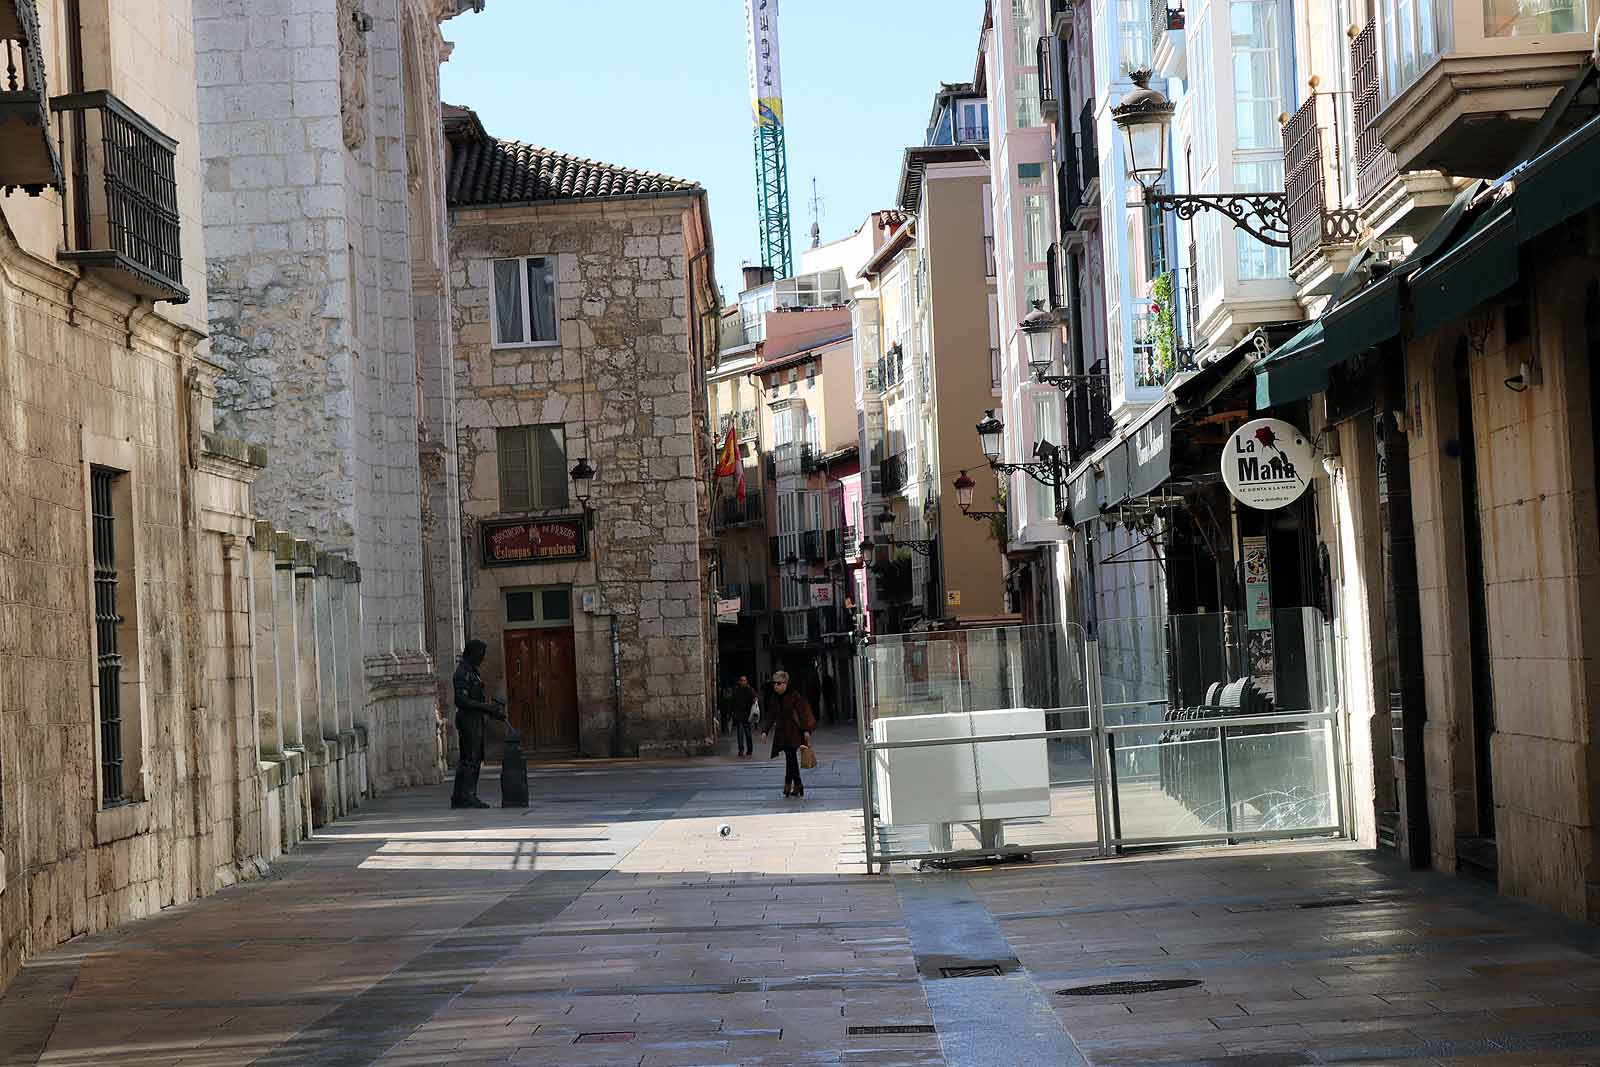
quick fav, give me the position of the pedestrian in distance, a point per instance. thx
(790, 720)
(745, 710)
(472, 706)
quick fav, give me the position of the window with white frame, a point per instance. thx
(1257, 75)
(1046, 427)
(1133, 35)
(1411, 39)
(533, 467)
(988, 230)
(524, 300)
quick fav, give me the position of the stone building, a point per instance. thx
(144, 613)
(585, 317)
(323, 174)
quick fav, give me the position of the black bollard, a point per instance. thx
(513, 773)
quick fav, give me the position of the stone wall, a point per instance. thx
(1535, 454)
(624, 381)
(321, 140)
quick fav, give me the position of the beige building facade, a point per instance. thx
(585, 317)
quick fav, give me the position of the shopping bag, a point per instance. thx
(808, 758)
(755, 713)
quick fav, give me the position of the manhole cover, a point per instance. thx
(611, 1037)
(986, 971)
(1334, 902)
(1112, 989)
(868, 1030)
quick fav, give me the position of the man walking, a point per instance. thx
(471, 707)
(740, 706)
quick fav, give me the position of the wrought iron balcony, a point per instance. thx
(892, 475)
(122, 214)
(28, 157)
(1375, 164)
(1163, 20)
(1314, 180)
(1049, 104)
(811, 546)
(1088, 413)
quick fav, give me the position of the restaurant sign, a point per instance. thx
(523, 541)
(1267, 464)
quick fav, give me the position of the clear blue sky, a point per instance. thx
(661, 85)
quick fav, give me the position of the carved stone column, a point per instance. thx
(264, 633)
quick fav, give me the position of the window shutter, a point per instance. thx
(552, 459)
(515, 494)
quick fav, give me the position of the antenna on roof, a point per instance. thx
(817, 200)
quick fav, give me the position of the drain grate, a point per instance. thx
(606, 1037)
(865, 1031)
(990, 970)
(1111, 989)
(1334, 902)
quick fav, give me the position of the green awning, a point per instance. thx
(1367, 319)
(1477, 268)
(1560, 182)
(1297, 369)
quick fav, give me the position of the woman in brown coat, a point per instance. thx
(790, 720)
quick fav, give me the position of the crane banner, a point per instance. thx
(766, 86)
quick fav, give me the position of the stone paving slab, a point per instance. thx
(611, 923)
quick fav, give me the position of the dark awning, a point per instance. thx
(1479, 267)
(1083, 495)
(1149, 453)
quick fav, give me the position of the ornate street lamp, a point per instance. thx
(582, 478)
(885, 519)
(1047, 468)
(991, 435)
(1144, 117)
(964, 487)
(1038, 328)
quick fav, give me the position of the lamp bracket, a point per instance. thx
(1261, 215)
(1043, 473)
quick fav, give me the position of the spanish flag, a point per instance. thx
(728, 457)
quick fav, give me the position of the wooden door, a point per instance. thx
(542, 688)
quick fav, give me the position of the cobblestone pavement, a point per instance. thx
(611, 923)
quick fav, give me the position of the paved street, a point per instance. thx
(612, 924)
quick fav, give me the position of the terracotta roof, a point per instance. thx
(484, 170)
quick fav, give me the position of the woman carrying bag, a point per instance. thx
(790, 720)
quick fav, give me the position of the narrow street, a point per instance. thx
(611, 924)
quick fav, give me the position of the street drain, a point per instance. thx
(1334, 902)
(612, 1037)
(986, 971)
(1112, 989)
(863, 1031)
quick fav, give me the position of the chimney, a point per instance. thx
(755, 276)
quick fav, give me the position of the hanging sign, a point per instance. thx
(533, 541)
(1267, 464)
(728, 610)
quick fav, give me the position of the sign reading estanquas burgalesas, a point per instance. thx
(1267, 464)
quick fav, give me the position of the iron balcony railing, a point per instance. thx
(892, 368)
(1088, 412)
(972, 133)
(28, 157)
(811, 546)
(1314, 179)
(1163, 20)
(1048, 104)
(1375, 164)
(122, 213)
(735, 512)
(1053, 259)
(892, 474)
(1088, 153)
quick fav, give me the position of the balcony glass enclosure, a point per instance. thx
(1026, 739)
